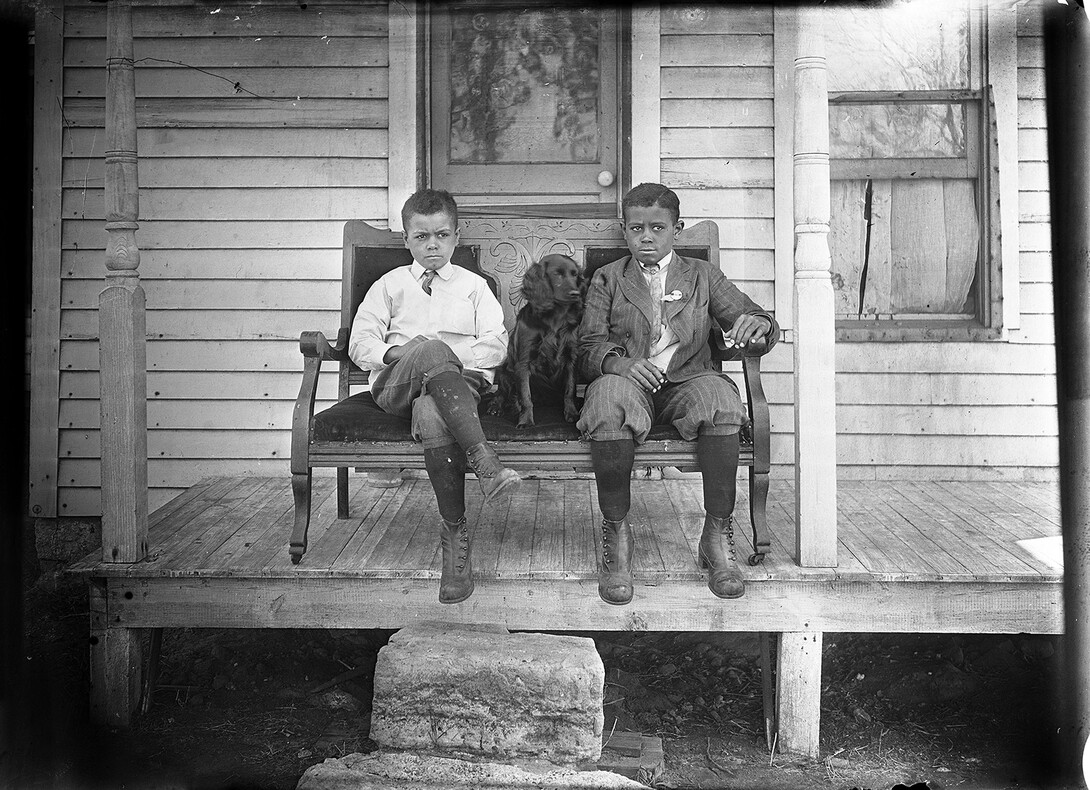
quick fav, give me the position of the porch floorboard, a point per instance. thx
(912, 556)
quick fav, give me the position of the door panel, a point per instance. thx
(524, 103)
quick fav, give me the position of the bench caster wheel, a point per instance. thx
(756, 559)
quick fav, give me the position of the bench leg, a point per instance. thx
(798, 693)
(115, 664)
(342, 492)
(758, 501)
(300, 489)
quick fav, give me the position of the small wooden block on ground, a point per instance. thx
(632, 754)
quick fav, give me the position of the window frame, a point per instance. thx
(983, 322)
(995, 36)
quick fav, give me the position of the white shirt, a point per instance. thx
(663, 351)
(461, 311)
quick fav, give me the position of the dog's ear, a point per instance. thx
(536, 288)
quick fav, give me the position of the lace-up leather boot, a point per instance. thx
(717, 556)
(494, 477)
(615, 569)
(456, 583)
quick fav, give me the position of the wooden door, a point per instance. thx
(524, 104)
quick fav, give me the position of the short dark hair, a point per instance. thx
(428, 202)
(647, 195)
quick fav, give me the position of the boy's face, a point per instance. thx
(650, 232)
(431, 238)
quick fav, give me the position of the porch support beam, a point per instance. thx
(798, 692)
(1067, 91)
(122, 337)
(815, 395)
(116, 661)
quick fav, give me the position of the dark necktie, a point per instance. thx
(425, 281)
(656, 300)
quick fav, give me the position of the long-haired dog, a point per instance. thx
(540, 363)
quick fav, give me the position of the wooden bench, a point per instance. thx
(355, 433)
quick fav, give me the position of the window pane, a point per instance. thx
(882, 131)
(907, 246)
(919, 45)
(524, 85)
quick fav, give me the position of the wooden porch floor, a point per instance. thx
(913, 556)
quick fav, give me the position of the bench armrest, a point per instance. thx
(315, 348)
(756, 400)
(315, 345)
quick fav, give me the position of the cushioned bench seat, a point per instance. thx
(359, 419)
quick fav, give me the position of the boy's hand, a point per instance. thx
(641, 371)
(394, 353)
(747, 329)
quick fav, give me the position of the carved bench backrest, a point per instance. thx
(500, 250)
(509, 246)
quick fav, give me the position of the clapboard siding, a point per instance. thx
(285, 263)
(282, 85)
(224, 294)
(165, 143)
(194, 171)
(202, 385)
(926, 391)
(250, 51)
(246, 203)
(1034, 231)
(210, 324)
(220, 234)
(198, 355)
(262, 129)
(266, 20)
(716, 135)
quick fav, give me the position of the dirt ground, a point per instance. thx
(254, 709)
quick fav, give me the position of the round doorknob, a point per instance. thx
(605, 178)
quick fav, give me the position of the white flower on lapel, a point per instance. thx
(673, 296)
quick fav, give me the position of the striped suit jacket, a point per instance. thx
(618, 315)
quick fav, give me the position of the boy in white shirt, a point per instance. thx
(431, 334)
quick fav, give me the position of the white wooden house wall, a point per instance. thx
(242, 206)
(243, 199)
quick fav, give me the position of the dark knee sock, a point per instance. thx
(718, 459)
(613, 475)
(457, 406)
(447, 471)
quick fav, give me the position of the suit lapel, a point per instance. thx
(680, 276)
(634, 287)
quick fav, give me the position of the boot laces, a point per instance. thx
(463, 548)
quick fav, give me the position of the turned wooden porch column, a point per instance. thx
(115, 652)
(815, 396)
(122, 355)
(798, 676)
